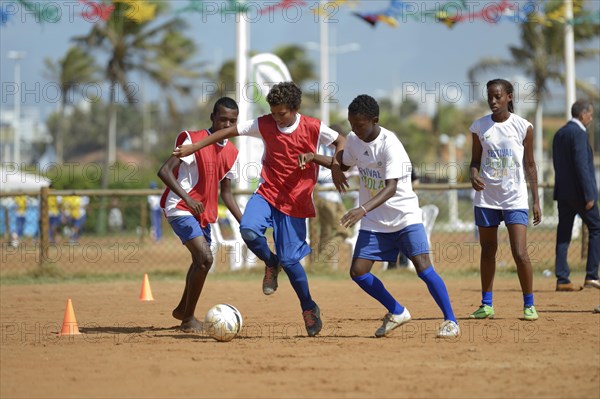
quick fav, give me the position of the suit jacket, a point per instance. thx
(573, 165)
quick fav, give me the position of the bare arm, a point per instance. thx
(165, 173)
(339, 178)
(334, 163)
(229, 200)
(531, 173)
(476, 151)
(219, 135)
(354, 215)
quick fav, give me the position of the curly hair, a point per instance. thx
(364, 105)
(287, 93)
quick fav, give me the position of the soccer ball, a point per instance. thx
(223, 322)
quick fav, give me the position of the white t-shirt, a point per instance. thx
(502, 162)
(384, 158)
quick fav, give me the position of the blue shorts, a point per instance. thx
(411, 240)
(289, 233)
(188, 227)
(486, 217)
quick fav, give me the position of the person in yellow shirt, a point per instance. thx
(54, 216)
(75, 213)
(21, 201)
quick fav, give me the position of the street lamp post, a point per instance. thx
(17, 56)
(454, 143)
(325, 75)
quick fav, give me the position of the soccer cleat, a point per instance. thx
(269, 284)
(312, 321)
(529, 313)
(484, 312)
(448, 329)
(392, 321)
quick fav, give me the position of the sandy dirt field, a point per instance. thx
(133, 349)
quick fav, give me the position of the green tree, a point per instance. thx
(133, 45)
(541, 53)
(71, 72)
(301, 68)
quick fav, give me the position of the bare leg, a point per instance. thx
(488, 239)
(202, 262)
(180, 309)
(517, 234)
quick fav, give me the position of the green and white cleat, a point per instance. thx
(484, 312)
(529, 313)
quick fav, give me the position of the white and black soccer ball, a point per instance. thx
(223, 322)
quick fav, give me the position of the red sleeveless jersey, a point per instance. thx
(285, 186)
(201, 178)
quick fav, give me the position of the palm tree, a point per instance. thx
(76, 68)
(541, 57)
(135, 46)
(301, 68)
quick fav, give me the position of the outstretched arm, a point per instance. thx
(220, 135)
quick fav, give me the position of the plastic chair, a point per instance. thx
(239, 254)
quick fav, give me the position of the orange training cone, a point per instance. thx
(69, 326)
(146, 294)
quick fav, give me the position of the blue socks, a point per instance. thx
(374, 287)
(438, 291)
(486, 298)
(299, 282)
(528, 300)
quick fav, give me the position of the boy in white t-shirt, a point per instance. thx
(389, 214)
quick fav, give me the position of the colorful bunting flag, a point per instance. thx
(139, 11)
(95, 11)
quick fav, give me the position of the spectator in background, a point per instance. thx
(21, 210)
(155, 214)
(115, 216)
(576, 192)
(8, 218)
(54, 216)
(74, 207)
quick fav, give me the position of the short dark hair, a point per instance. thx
(225, 102)
(580, 106)
(364, 105)
(287, 93)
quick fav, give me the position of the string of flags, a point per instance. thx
(450, 13)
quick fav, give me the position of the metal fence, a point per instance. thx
(129, 247)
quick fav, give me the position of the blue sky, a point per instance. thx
(422, 60)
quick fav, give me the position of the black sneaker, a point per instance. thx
(312, 321)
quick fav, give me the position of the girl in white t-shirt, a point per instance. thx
(501, 165)
(389, 214)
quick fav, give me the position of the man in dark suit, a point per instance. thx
(576, 192)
